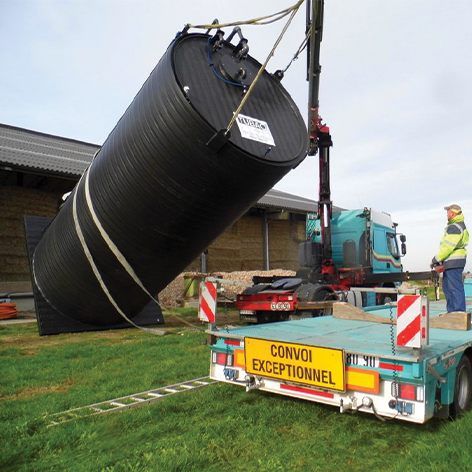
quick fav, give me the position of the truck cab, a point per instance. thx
(365, 252)
(361, 238)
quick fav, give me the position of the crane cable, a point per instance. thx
(300, 49)
(294, 11)
(260, 21)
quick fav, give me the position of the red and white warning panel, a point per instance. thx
(412, 321)
(207, 310)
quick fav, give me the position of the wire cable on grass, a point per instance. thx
(171, 313)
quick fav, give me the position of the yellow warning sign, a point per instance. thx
(300, 363)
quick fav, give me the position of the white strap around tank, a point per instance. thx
(120, 257)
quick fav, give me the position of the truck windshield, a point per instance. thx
(392, 245)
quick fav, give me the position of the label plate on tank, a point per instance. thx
(257, 130)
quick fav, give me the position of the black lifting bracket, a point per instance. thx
(217, 40)
(242, 49)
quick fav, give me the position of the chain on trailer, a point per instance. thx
(395, 365)
(394, 339)
(424, 340)
(393, 346)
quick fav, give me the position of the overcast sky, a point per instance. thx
(395, 89)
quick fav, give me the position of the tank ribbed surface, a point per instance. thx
(160, 193)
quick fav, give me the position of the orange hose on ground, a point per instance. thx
(8, 310)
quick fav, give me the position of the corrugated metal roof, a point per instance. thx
(287, 201)
(23, 149)
(30, 150)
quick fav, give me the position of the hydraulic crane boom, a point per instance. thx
(319, 138)
(314, 27)
(326, 274)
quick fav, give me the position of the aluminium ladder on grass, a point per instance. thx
(127, 402)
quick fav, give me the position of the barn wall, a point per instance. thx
(16, 203)
(239, 248)
(284, 239)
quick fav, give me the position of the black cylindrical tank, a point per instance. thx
(159, 191)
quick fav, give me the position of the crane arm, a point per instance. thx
(314, 25)
(319, 138)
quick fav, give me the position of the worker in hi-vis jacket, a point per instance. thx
(451, 258)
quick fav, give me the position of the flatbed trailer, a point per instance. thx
(354, 364)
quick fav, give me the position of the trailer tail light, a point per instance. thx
(239, 359)
(408, 391)
(285, 298)
(222, 358)
(362, 380)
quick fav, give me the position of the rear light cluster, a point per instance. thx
(222, 358)
(235, 359)
(285, 298)
(408, 391)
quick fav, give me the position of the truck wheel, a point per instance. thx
(463, 387)
(321, 296)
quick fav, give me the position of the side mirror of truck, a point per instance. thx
(403, 248)
(402, 238)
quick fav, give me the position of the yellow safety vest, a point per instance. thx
(452, 249)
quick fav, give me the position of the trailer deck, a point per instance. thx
(354, 364)
(362, 337)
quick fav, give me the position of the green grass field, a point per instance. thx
(429, 289)
(220, 427)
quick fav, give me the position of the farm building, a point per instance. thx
(37, 169)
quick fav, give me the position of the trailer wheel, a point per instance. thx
(463, 387)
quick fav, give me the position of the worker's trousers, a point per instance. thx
(453, 288)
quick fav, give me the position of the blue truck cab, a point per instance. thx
(364, 252)
(365, 238)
